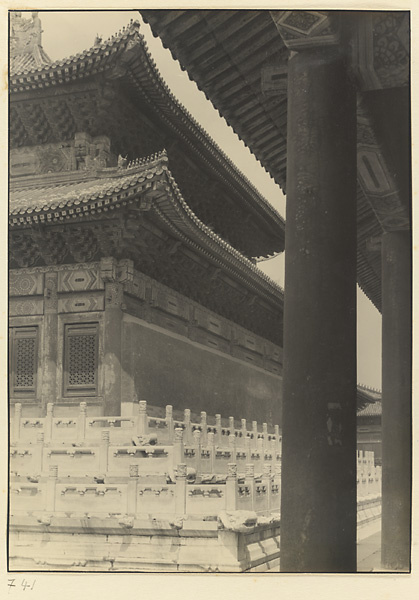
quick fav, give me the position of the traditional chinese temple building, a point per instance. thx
(322, 99)
(133, 243)
(133, 250)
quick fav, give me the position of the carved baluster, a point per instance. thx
(180, 490)
(231, 487)
(48, 422)
(169, 421)
(81, 422)
(142, 422)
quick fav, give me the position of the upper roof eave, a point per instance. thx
(104, 56)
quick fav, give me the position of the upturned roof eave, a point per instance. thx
(186, 226)
(105, 57)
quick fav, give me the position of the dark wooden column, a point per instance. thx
(396, 400)
(112, 337)
(318, 513)
(50, 392)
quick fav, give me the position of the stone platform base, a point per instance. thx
(141, 545)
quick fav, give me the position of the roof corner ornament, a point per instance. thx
(24, 33)
(122, 161)
(98, 40)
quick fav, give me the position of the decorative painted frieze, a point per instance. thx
(381, 48)
(82, 153)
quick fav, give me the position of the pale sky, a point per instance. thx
(70, 32)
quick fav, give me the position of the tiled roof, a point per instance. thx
(371, 410)
(368, 401)
(29, 61)
(52, 203)
(129, 47)
(228, 53)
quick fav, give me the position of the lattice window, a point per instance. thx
(24, 361)
(81, 360)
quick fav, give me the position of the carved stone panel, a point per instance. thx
(26, 306)
(81, 303)
(79, 280)
(25, 284)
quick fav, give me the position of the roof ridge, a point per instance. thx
(131, 29)
(368, 388)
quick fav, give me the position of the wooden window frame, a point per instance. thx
(16, 333)
(78, 390)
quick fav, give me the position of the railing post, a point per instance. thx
(81, 422)
(17, 422)
(231, 487)
(260, 448)
(249, 478)
(180, 490)
(248, 448)
(104, 451)
(277, 481)
(197, 445)
(277, 446)
(244, 431)
(231, 425)
(255, 433)
(51, 488)
(204, 428)
(142, 423)
(178, 447)
(187, 422)
(211, 446)
(48, 422)
(232, 446)
(169, 421)
(132, 489)
(218, 428)
(265, 436)
(266, 480)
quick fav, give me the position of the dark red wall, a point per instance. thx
(166, 369)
